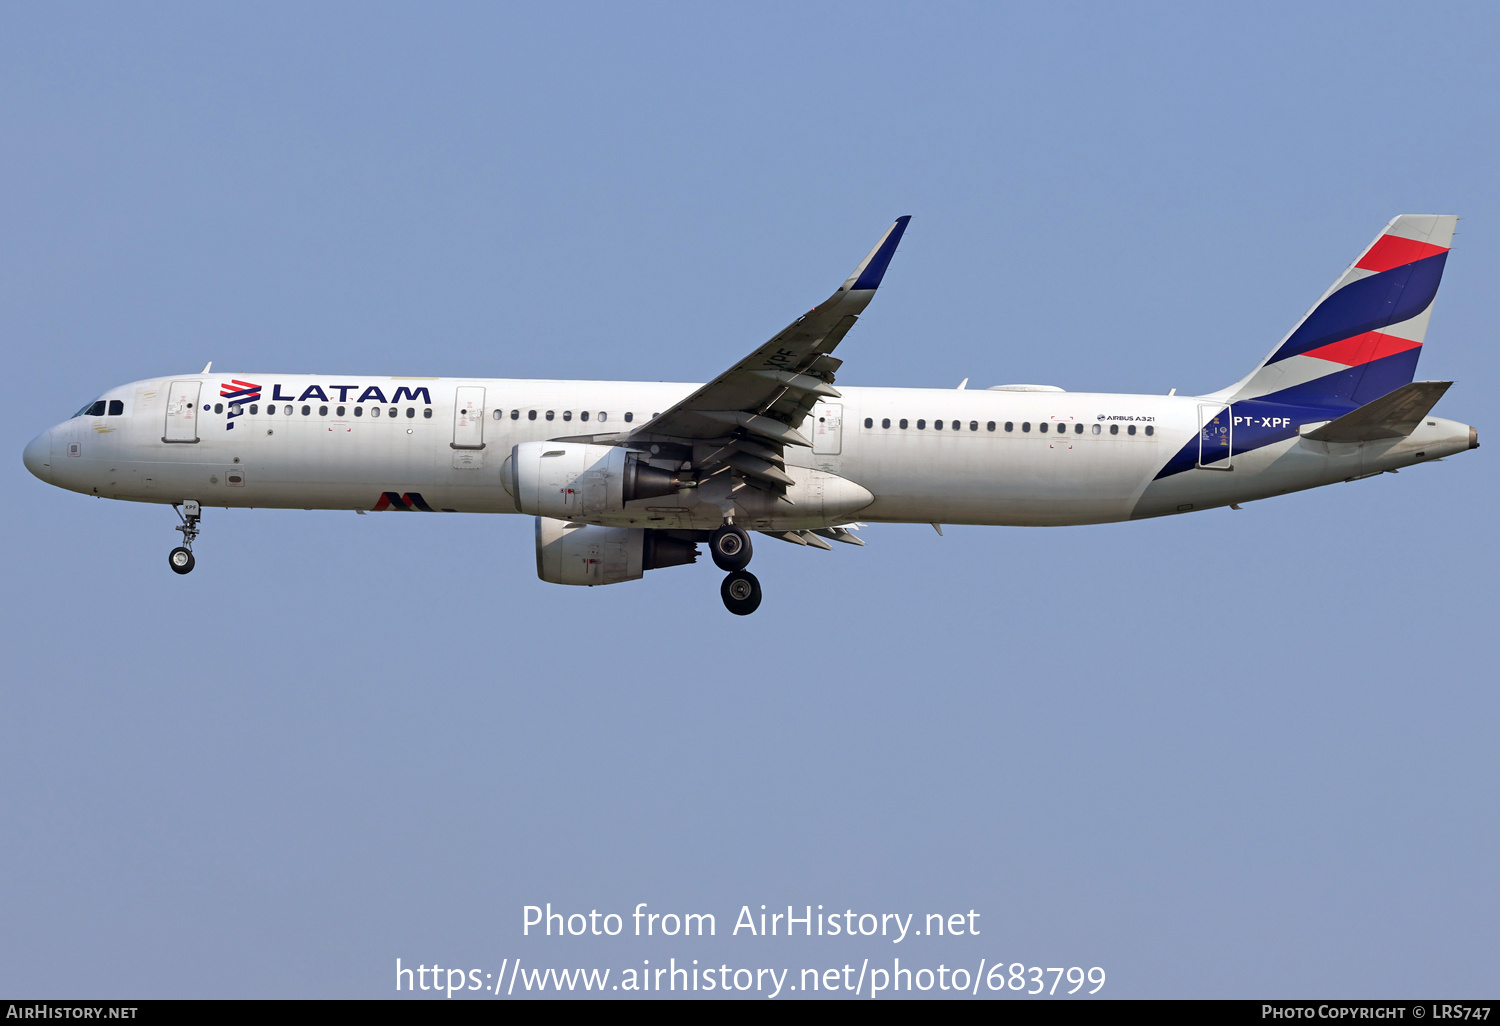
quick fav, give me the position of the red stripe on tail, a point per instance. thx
(1393, 251)
(1372, 345)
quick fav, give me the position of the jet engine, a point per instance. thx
(574, 480)
(586, 554)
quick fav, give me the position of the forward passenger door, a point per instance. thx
(182, 412)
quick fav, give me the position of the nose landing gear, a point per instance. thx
(181, 559)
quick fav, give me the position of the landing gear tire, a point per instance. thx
(180, 560)
(730, 548)
(741, 593)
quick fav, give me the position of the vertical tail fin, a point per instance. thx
(1362, 339)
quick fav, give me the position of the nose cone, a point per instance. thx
(38, 456)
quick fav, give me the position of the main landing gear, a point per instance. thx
(730, 547)
(731, 550)
(741, 593)
(181, 559)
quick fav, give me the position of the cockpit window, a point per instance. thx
(117, 407)
(93, 409)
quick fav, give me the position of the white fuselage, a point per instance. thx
(447, 441)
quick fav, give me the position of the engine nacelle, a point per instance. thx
(574, 480)
(587, 554)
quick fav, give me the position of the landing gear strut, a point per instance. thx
(730, 547)
(741, 593)
(181, 559)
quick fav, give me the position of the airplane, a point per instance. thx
(623, 477)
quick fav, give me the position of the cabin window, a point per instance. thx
(903, 423)
(218, 408)
(427, 413)
(921, 425)
(885, 422)
(1025, 425)
(629, 417)
(1042, 427)
(306, 411)
(1130, 430)
(515, 414)
(937, 425)
(531, 415)
(584, 415)
(322, 411)
(567, 414)
(603, 416)
(990, 426)
(1114, 429)
(375, 411)
(394, 411)
(974, 426)
(116, 407)
(359, 411)
(1097, 429)
(411, 413)
(1010, 425)
(550, 414)
(1150, 430)
(1078, 429)
(254, 409)
(499, 414)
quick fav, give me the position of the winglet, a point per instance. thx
(868, 274)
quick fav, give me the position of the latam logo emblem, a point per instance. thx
(238, 393)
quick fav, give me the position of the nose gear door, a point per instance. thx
(182, 412)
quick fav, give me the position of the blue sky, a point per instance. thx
(1233, 754)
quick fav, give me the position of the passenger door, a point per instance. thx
(182, 412)
(1215, 437)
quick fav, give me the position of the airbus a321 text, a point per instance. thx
(624, 477)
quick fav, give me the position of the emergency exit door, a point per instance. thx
(828, 429)
(468, 418)
(182, 412)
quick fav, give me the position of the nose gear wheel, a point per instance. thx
(181, 559)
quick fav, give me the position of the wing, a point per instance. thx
(742, 420)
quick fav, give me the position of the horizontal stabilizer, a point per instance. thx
(1394, 415)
